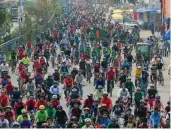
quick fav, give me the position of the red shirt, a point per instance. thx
(22, 74)
(4, 100)
(29, 44)
(9, 115)
(30, 104)
(107, 101)
(97, 69)
(9, 89)
(68, 82)
(40, 103)
(55, 103)
(36, 65)
(88, 103)
(20, 67)
(84, 56)
(110, 75)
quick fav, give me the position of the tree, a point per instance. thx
(5, 21)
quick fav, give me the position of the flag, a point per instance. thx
(98, 33)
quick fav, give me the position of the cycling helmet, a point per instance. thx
(23, 111)
(88, 120)
(42, 107)
(142, 101)
(90, 95)
(114, 119)
(103, 126)
(15, 123)
(99, 87)
(139, 67)
(157, 97)
(86, 108)
(54, 97)
(59, 106)
(129, 78)
(50, 75)
(105, 93)
(96, 100)
(74, 118)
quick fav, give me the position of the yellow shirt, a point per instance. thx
(138, 73)
(25, 60)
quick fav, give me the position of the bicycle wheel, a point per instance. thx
(110, 89)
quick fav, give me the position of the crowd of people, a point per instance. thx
(76, 58)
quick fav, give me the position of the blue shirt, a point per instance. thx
(26, 124)
(125, 64)
(54, 92)
(155, 119)
(104, 121)
(144, 77)
(99, 82)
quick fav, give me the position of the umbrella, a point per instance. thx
(118, 11)
(117, 16)
(111, 8)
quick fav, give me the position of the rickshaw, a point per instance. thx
(145, 50)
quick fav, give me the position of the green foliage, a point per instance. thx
(5, 21)
(2, 15)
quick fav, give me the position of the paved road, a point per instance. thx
(89, 88)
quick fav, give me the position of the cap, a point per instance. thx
(99, 87)
(88, 120)
(105, 93)
(114, 119)
(23, 111)
(42, 107)
(15, 123)
(54, 97)
(103, 105)
(90, 95)
(73, 118)
(59, 106)
(86, 108)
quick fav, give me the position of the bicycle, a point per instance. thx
(111, 88)
(89, 76)
(160, 78)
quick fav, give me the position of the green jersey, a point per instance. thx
(83, 117)
(94, 53)
(87, 50)
(98, 51)
(130, 86)
(138, 96)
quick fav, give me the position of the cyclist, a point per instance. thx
(125, 66)
(130, 86)
(144, 80)
(138, 73)
(114, 123)
(79, 79)
(152, 92)
(110, 76)
(98, 93)
(154, 73)
(107, 101)
(63, 70)
(155, 118)
(4, 67)
(68, 84)
(160, 66)
(41, 116)
(139, 58)
(13, 58)
(25, 60)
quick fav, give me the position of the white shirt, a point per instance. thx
(4, 123)
(75, 66)
(4, 67)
